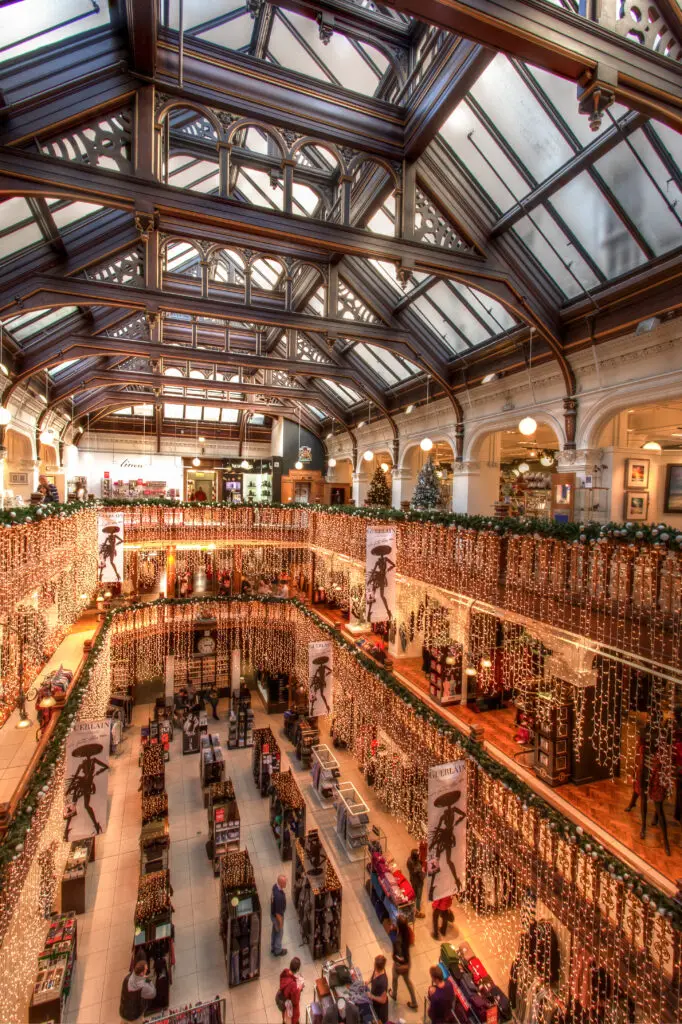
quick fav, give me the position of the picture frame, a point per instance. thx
(673, 488)
(636, 506)
(637, 474)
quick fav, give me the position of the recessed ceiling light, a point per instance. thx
(489, 377)
(409, 410)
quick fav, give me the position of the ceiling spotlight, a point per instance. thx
(361, 424)
(202, 439)
(409, 410)
(652, 446)
(47, 436)
(47, 702)
(532, 453)
(330, 434)
(79, 430)
(331, 463)
(486, 663)
(24, 721)
(384, 467)
(43, 398)
(523, 467)
(426, 444)
(3, 369)
(546, 459)
(5, 416)
(196, 461)
(528, 426)
(298, 465)
(368, 455)
(471, 671)
(244, 465)
(489, 378)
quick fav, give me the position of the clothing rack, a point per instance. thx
(325, 772)
(212, 1011)
(352, 819)
(317, 896)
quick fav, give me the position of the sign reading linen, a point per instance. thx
(380, 568)
(320, 678)
(110, 547)
(446, 852)
(85, 794)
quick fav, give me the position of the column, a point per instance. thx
(475, 488)
(361, 481)
(402, 486)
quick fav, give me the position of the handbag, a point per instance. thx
(401, 968)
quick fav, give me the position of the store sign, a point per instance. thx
(110, 547)
(86, 783)
(380, 575)
(446, 853)
(320, 678)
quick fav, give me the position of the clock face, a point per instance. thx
(206, 644)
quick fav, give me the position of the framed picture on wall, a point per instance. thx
(636, 474)
(673, 489)
(636, 505)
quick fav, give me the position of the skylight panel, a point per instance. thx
(345, 395)
(54, 370)
(492, 312)
(30, 324)
(73, 212)
(556, 255)
(18, 229)
(173, 412)
(211, 415)
(143, 410)
(193, 412)
(448, 333)
(32, 24)
(229, 415)
(233, 34)
(317, 412)
(125, 411)
(490, 168)
(257, 419)
(561, 93)
(369, 358)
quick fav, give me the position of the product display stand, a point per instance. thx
(154, 932)
(325, 772)
(240, 732)
(153, 771)
(208, 1011)
(388, 889)
(340, 979)
(316, 896)
(287, 812)
(55, 970)
(274, 689)
(73, 880)
(266, 759)
(224, 826)
(240, 918)
(307, 736)
(475, 990)
(154, 846)
(211, 762)
(352, 819)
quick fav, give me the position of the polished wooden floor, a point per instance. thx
(601, 803)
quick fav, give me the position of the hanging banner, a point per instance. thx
(380, 575)
(446, 853)
(86, 783)
(110, 547)
(320, 678)
(191, 733)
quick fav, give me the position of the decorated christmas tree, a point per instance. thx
(428, 494)
(379, 493)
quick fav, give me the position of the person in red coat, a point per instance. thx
(290, 986)
(441, 912)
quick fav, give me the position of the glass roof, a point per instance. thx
(27, 25)
(619, 211)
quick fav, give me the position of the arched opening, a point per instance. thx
(510, 473)
(189, 150)
(414, 459)
(382, 460)
(18, 466)
(340, 482)
(639, 463)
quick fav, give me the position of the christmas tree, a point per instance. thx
(379, 492)
(428, 494)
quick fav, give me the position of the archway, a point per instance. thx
(405, 477)
(19, 466)
(339, 487)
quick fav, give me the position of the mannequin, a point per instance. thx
(646, 784)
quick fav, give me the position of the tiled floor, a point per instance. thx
(106, 931)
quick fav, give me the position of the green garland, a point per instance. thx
(657, 534)
(13, 842)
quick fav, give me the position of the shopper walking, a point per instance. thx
(134, 991)
(278, 906)
(415, 870)
(402, 940)
(378, 989)
(290, 987)
(212, 696)
(441, 998)
(442, 916)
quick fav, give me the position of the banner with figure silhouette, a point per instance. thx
(110, 547)
(86, 780)
(447, 837)
(380, 575)
(320, 678)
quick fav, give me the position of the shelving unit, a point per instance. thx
(325, 772)
(154, 845)
(383, 883)
(55, 970)
(153, 771)
(287, 813)
(211, 762)
(154, 930)
(317, 896)
(75, 871)
(274, 690)
(352, 819)
(266, 759)
(224, 826)
(445, 673)
(240, 918)
(307, 736)
(240, 730)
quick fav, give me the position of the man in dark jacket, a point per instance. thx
(278, 904)
(290, 985)
(416, 872)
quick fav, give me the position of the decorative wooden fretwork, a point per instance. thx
(643, 23)
(431, 226)
(127, 268)
(353, 308)
(105, 142)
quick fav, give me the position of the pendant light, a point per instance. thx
(528, 425)
(651, 446)
(331, 463)
(47, 436)
(196, 461)
(546, 459)
(368, 454)
(298, 464)
(426, 444)
(523, 467)
(384, 467)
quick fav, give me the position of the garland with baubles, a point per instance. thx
(657, 534)
(12, 844)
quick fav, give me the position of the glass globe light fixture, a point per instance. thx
(528, 426)
(426, 444)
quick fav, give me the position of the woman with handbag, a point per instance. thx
(443, 915)
(402, 940)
